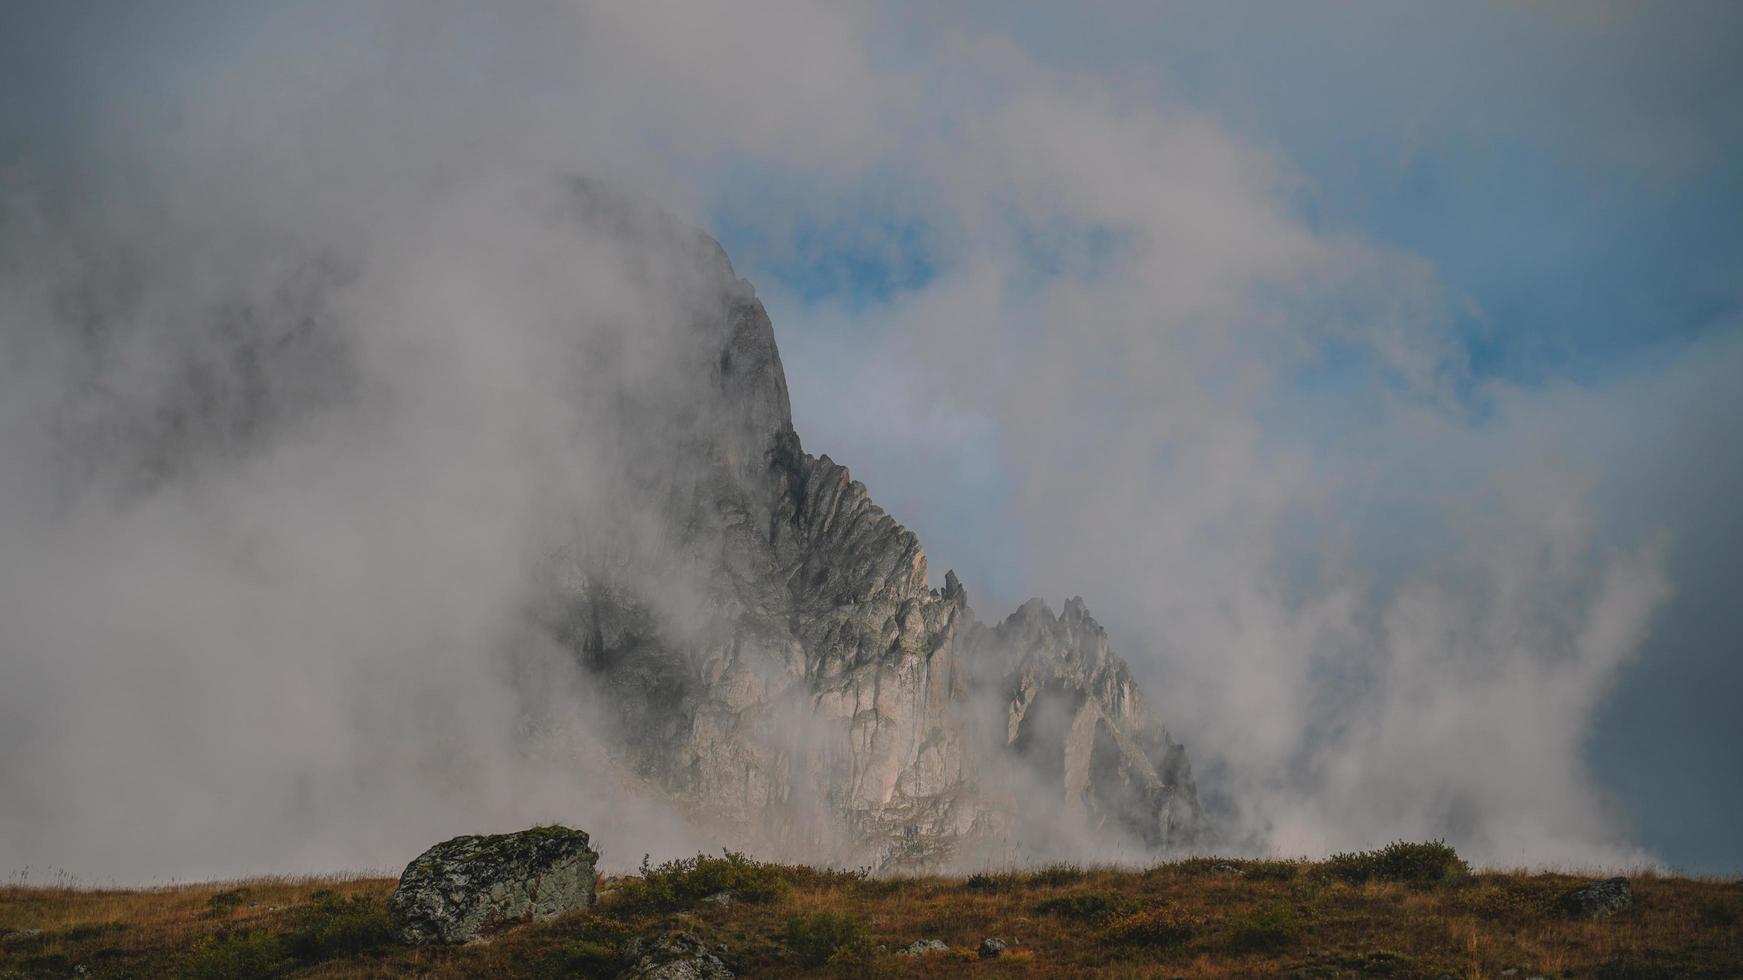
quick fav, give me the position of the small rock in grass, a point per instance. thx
(992, 949)
(674, 956)
(1597, 899)
(920, 947)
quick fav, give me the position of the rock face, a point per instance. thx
(468, 886)
(781, 664)
(1598, 899)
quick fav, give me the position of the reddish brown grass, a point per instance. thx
(1204, 922)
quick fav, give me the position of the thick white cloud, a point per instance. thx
(1379, 605)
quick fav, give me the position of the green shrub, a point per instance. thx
(1716, 914)
(993, 881)
(238, 956)
(331, 926)
(1270, 870)
(50, 965)
(1499, 903)
(1054, 875)
(225, 902)
(589, 946)
(1098, 907)
(882, 887)
(582, 958)
(819, 936)
(1192, 867)
(1422, 863)
(682, 883)
(1162, 927)
(87, 931)
(1373, 963)
(857, 958)
(1266, 930)
(1629, 967)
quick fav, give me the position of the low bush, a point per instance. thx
(1054, 875)
(1270, 870)
(236, 956)
(1267, 929)
(679, 884)
(883, 887)
(994, 881)
(819, 937)
(37, 967)
(332, 926)
(1499, 904)
(1098, 907)
(582, 958)
(87, 931)
(591, 946)
(1715, 914)
(1162, 927)
(1192, 867)
(225, 902)
(1421, 863)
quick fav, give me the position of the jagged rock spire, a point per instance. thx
(829, 703)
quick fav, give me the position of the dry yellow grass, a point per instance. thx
(1187, 918)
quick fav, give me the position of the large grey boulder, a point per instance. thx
(469, 886)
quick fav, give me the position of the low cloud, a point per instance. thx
(292, 411)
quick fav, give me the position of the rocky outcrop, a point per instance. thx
(1076, 720)
(467, 887)
(1598, 899)
(780, 662)
(674, 956)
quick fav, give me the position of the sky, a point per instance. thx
(1370, 368)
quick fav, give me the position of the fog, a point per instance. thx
(306, 373)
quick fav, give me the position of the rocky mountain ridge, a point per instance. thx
(799, 680)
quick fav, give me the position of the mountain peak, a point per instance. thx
(825, 702)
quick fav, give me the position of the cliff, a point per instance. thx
(776, 659)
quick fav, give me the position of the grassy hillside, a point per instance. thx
(1415, 913)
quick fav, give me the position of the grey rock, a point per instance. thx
(781, 666)
(920, 947)
(721, 899)
(466, 887)
(992, 949)
(1598, 899)
(674, 956)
